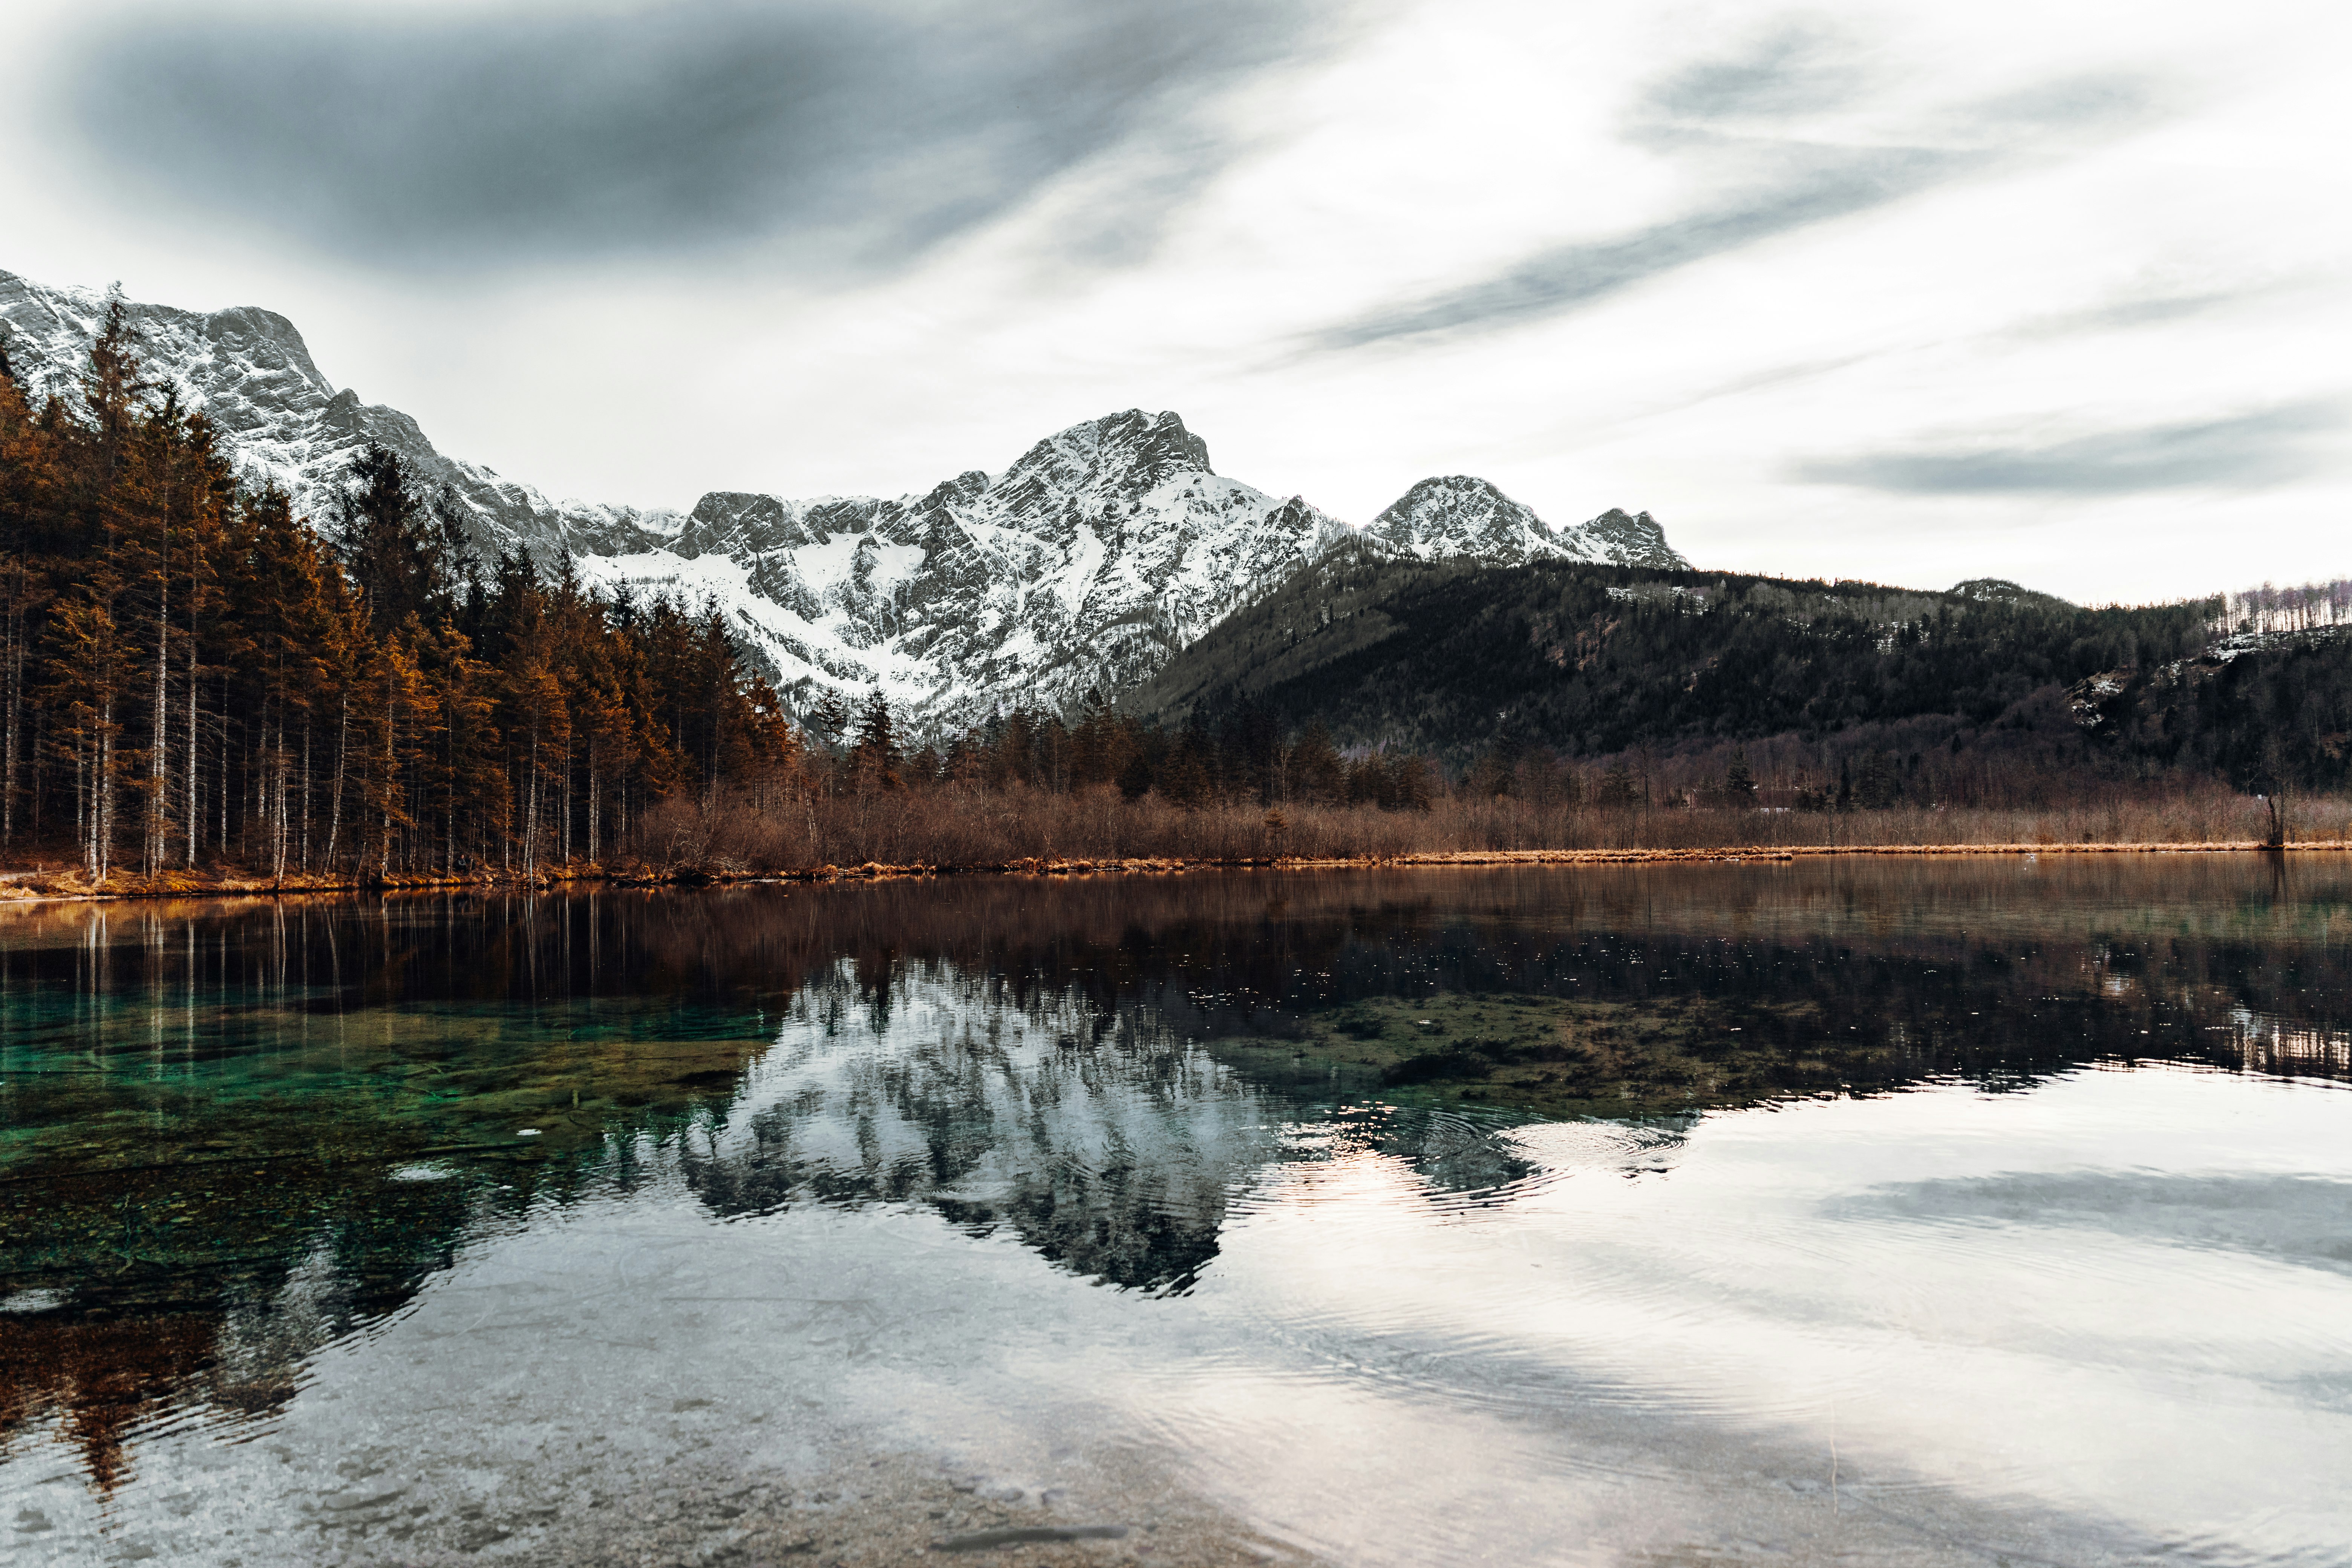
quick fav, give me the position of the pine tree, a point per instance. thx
(874, 759)
(403, 557)
(1315, 772)
(1881, 783)
(1738, 783)
(829, 719)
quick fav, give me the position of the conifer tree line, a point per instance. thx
(190, 674)
(1242, 756)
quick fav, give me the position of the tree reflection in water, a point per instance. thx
(233, 1132)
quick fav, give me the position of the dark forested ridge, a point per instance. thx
(1592, 661)
(1460, 660)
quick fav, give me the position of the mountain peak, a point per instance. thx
(1461, 514)
(1623, 539)
(1130, 450)
(1457, 489)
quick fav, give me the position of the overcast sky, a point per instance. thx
(1912, 292)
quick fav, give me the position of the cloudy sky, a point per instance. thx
(1907, 291)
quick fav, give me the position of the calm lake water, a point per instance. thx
(1933, 1211)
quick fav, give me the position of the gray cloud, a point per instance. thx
(1792, 69)
(2146, 310)
(1733, 109)
(1562, 279)
(2126, 313)
(2263, 448)
(858, 133)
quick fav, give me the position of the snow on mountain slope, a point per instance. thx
(250, 372)
(1459, 515)
(1077, 571)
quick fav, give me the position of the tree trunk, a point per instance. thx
(335, 805)
(281, 829)
(101, 819)
(195, 821)
(391, 772)
(449, 816)
(306, 789)
(220, 844)
(159, 753)
(14, 673)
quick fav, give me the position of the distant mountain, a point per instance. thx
(1461, 516)
(1454, 658)
(249, 371)
(1077, 572)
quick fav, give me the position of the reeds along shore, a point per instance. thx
(950, 826)
(957, 827)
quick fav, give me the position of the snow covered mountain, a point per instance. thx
(1077, 571)
(250, 372)
(1459, 515)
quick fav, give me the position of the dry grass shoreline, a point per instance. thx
(955, 829)
(29, 887)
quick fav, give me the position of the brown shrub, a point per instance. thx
(960, 825)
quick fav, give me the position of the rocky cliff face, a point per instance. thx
(249, 369)
(1076, 572)
(1459, 515)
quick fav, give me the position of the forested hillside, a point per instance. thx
(2266, 712)
(189, 673)
(1464, 661)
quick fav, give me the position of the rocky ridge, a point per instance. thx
(1075, 573)
(248, 370)
(1458, 515)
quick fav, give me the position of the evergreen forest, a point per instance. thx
(1995, 693)
(189, 673)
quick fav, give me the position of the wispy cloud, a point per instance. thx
(1789, 69)
(2145, 310)
(858, 133)
(1741, 109)
(1563, 278)
(2270, 447)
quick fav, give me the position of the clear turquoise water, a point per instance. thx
(1906, 1210)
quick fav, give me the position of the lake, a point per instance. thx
(1884, 1210)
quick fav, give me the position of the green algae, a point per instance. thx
(1622, 1058)
(164, 1154)
(1562, 1057)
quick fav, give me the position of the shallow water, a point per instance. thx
(1933, 1211)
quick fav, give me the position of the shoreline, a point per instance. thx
(16, 888)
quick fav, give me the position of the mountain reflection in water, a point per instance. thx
(232, 1133)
